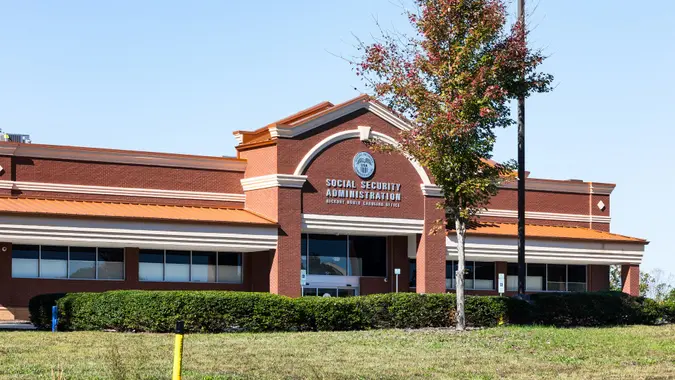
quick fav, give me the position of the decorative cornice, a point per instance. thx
(547, 216)
(358, 224)
(540, 251)
(431, 190)
(580, 187)
(121, 191)
(71, 231)
(374, 107)
(122, 157)
(352, 134)
(273, 180)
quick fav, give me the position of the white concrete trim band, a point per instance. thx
(120, 191)
(314, 223)
(353, 134)
(74, 232)
(431, 191)
(547, 216)
(536, 184)
(273, 180)
(541, 251)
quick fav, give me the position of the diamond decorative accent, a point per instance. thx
(601, 205)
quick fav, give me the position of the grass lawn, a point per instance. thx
(508, 352)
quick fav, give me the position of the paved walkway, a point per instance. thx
(16, 325)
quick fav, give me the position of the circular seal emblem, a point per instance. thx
(364, 165)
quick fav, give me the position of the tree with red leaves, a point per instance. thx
(453, 79)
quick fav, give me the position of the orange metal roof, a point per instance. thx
(551, 232)
(130, 211)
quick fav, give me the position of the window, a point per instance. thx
(367, 256)
(303, 252)
(177, 266)
(79, 263)
(450, 272)
(332, 255)
(512, 277)
(576, 278)
(536, 277)
(412, 273)
(557, 277)
(110, 264)
(477, 275)
(151, 265)
(53, 262)
(25, 260)
(327, 255)
(484, 276)
(548, 277)
(229, 267)
(185, 266)
(203, 267)
(82, 263)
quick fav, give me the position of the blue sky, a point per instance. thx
(180, 76)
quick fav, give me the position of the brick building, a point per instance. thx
(304, 195)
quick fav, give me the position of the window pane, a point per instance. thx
(536, 277)
(346, 292)
(177, 267)
(151, 265)
(82, 262)
(327, 255)
(229, 267)
(203, 267)
(25, 261)
(111, 263)
(303, 252)
(327, 292)
(557, 277)
(512, 276)
(309, 292)
(468, 274)
(450, 268)
(368, 256)
(54, 262)
(412, 273)
(484, 275)
(576, 281)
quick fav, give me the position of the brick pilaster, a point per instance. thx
(630, 279)
(431, 251)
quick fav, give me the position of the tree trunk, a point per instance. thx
(460, 228)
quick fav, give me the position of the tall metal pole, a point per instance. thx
(521, 170)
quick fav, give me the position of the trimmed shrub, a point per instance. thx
(223, 311)
(40, 308)
(593, 309)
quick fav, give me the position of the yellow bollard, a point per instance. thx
(178, 351)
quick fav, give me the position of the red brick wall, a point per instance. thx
(292, 151)
(260, 161)
(120, 175)
(598, 278)
(285, 268)
(540, 201)
(630, 279)
(336, 163)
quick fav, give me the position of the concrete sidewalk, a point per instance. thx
(16, 325)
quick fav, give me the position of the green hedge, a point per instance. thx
(40, 308)
(594, 309)
(222, 311)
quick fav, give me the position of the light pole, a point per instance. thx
(521, 168)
